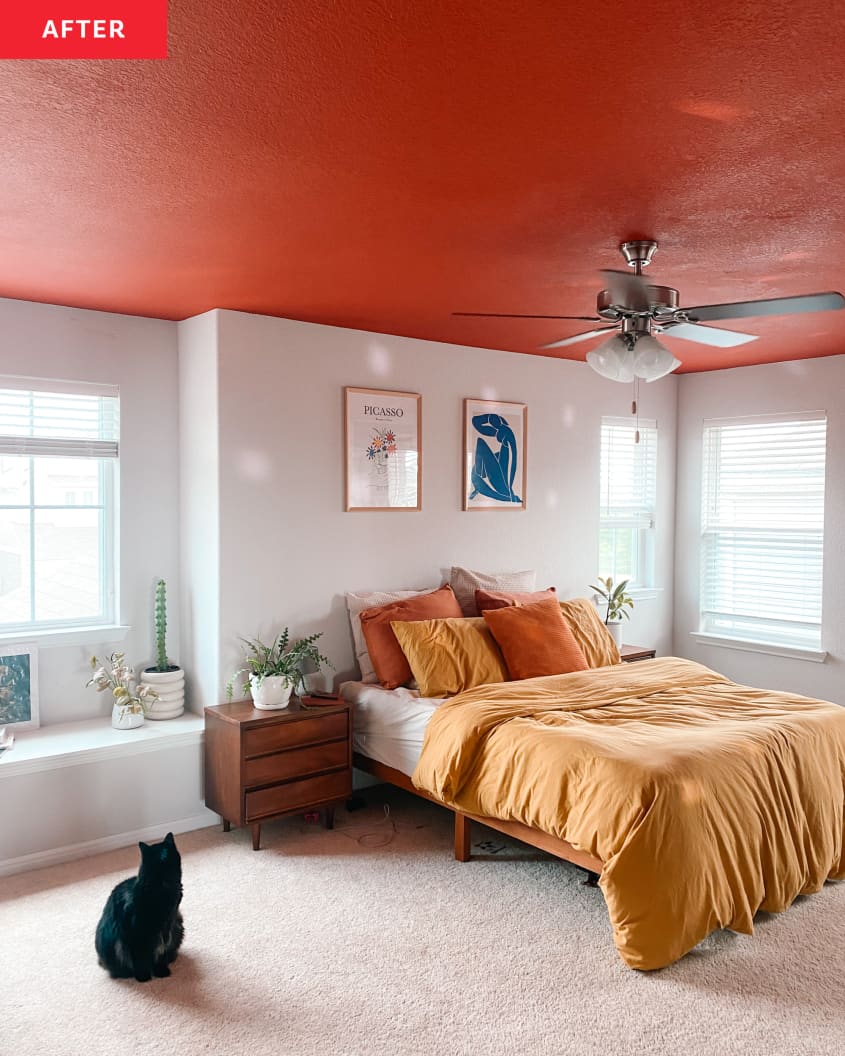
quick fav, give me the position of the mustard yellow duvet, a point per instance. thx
(705, 800)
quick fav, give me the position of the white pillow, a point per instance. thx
(465, 583)
(370, 599)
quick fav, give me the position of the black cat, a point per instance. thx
(141, 930)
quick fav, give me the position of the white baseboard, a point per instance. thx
(55, 855)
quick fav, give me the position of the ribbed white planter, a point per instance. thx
(271, 691)
(170, 686)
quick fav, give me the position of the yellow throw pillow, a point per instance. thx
(590, 633)
(451, 655)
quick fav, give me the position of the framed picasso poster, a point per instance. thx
(383, 449)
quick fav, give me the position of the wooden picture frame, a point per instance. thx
(382, 438)
(19, 687)
(495, 452)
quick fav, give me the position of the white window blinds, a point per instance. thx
(628, 484)
(628, 473)
(762, 528)
(62, 424)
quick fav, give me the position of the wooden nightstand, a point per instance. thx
(263, 764)
(631, 653)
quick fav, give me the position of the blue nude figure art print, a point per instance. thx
(494, 463)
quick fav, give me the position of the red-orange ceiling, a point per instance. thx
(382, 163)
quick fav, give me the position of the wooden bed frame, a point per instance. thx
(534, 837)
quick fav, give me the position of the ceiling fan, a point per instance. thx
(638, 310)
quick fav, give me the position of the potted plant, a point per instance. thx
(274, 671)
(128, 707)
(618, 603)
(168, 680)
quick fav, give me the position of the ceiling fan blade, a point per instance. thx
(579, 337)
(507, 315)
(706, 335)
(810, 302)
(627, 290)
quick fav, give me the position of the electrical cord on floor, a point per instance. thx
(376, 839)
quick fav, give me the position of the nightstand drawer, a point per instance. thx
(268, 739)
(283, 798)
(296, 762)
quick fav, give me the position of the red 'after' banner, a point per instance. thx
(83, 29)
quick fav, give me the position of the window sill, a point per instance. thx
(78, 743)
(817, 656)
(645, 593)
(69, 636)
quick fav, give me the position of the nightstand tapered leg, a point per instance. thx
(328, 818)
(256, 835)
(226, 825)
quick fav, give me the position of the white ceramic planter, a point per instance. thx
(170, 686)
(615, 628)
(124, 719)
(272, 691)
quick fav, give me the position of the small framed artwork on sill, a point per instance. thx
(495, 436)
(382, 449)
(19, 686)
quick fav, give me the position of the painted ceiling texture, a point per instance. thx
(381, 164)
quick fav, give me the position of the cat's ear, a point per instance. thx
(169, 839)
(144, 847)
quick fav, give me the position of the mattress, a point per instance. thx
(389, 725)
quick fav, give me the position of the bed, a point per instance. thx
(698, 801)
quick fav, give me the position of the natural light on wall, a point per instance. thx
(58, 487)
(763, 528)
(628, 498)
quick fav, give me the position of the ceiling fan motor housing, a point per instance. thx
(661, 299)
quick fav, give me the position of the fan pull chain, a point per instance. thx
(635, 409)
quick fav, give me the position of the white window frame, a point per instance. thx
(797, 632)
(638, 517)
(106, 452)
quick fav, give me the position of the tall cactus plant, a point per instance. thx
(162, 663)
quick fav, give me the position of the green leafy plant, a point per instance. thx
(115, 674)
(615, 597)
(283, 658)
(162, 663)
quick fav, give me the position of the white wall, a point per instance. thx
(199, 508)
(139, 355)
(90, 807)
(288, 551)
(805, 385)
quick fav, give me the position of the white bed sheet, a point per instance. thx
(389, 725)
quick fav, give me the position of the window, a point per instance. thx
(628, 496)
(58, 488)
(762, 528)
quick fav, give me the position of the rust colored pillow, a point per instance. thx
(389, 661)
(535, 640)
(486, 600)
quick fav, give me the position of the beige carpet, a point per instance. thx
(344, 943)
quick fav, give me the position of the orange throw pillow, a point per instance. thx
(535, 640)
(389, 661)
(501, 599)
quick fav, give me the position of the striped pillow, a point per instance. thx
(465, 583)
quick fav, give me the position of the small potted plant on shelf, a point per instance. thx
(168, 680)
(273, 672)
(618, 602)
(128, 706)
